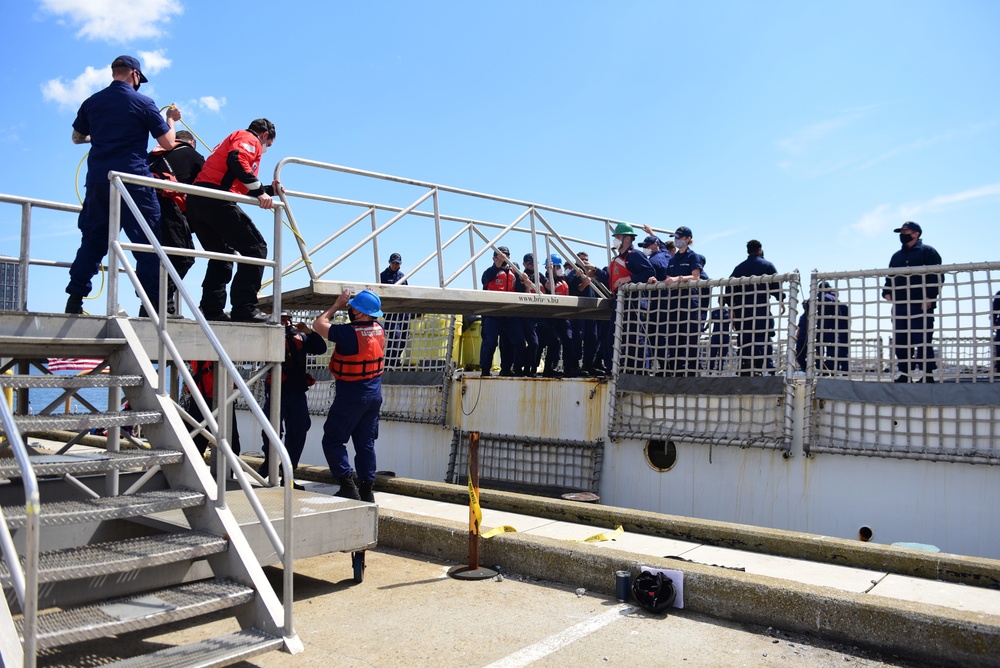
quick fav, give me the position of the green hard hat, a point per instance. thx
(624, 228)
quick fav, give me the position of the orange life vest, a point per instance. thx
(368, 362)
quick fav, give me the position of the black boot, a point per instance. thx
(74, 305)
(365, 490)
(348, 490)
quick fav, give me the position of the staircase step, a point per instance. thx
(77, 421)
(223, 651)
(43, 347)
(52, 380)
(122, 556)
(142, 611)
(107, 508)
(95, 462)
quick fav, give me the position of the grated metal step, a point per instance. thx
(78, 421)
(107, 508)
(50, 381)
(223, 651)
(122, 556)
(96, 462)
(132, 613)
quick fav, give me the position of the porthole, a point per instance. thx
(661, 455)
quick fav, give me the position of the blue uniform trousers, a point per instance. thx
(294, 424)
(93, 224)
(354, 418)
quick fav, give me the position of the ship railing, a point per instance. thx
(439, 244)
(708, 361)
(924, 383)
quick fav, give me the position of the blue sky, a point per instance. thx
(814, 127)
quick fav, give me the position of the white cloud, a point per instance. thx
(71, 94)
(212, 103)
(153, 62)
(886, 217)
(114, 20)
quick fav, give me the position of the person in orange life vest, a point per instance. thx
(204, 379)
(357, 363)
(300, 341)
(555, 333)
(507, 332)
(628, 266)
(222, 226)
(181, 164)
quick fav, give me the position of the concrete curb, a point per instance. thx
(973, 571)
(922, 632)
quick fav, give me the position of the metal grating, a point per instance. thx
(74, 463)
(222, 651)
(138, 612)
(538, 466)
(107, 508)
(123, 556)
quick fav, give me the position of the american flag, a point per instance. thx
(73, 363)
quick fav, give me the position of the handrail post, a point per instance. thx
(114, 230)
(437, 238)
(22, 262)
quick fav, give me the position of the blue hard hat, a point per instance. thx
(368, 303)
(555, 260)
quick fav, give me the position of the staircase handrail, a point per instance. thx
(283, 548)
(24, 581)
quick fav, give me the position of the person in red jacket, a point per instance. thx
(222, 226)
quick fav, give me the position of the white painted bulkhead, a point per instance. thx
(952, 506)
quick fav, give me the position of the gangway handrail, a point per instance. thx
(24, 580)
(283, 549)
(438, 187)
(433, 190)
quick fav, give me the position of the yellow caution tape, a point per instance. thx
(506, 528)
(600, 537)
(474, 505)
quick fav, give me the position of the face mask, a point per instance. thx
(648, 252)
(681, 243)
(616, 243)
(905, 238)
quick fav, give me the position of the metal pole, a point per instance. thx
(473, 571)
(474, 486)
(24, 260)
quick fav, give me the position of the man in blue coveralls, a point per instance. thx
(116, 122)
(356, 363)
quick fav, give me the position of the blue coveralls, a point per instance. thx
(683, 314)
(352, 416)
(397, 325)
(752, 314)
(913, 326)
(119, 121)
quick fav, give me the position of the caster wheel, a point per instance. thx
(358, 562)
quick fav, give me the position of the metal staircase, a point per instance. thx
(82, 570)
